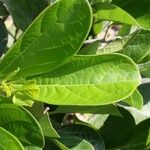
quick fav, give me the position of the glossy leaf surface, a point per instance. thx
(8, 141)
(51, 39)
(22, 124)
(135, 100)
(89, 80)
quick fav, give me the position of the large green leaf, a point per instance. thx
(8, 141)
(138, 9)
(25, 11)
(51, 40)
(22, 124)
(105, 11)
(89, 80)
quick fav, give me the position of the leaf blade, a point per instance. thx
(21, 123)
(89, 80)
(8, 141)
(50, 40)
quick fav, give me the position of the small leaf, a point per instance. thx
(105, 11)
(21, 124)
(135, 100)
(83, 145)
(9, 141)
(145, 69)
(29, 89)
(89, 49)
(139, 47)
(7, 89)
(137, 9)
(47, 127)
(52, 39)
(21, 100)
(24, 95)
(144, 113)
(115, 46)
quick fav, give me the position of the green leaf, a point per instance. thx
(135, 100)
(4, 99)
(83, 145)
(54, 145)
(115, 46)
(104, 109)
(32, 148)
(72, 135)
(22, 124)
(105, 11)
(140, 139)
(24, 12)
(89, 49)
(137, 9)
(125, 30)
(89, 80)
(3, 37)
(117, 131)
(144, 113)
(8, 141)
(139, 47)
(24, 95)
(146, 59)
(145, 69)
(47, 127)
(51, 39)
(97, 27)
